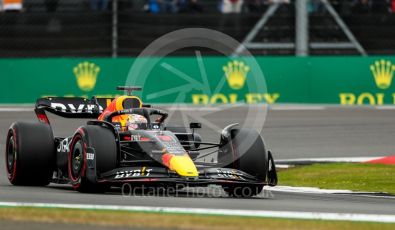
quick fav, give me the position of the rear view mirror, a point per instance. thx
(195, 125)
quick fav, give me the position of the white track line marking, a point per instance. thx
(289, 107)
(332, 159)
(219, 212)
(313, 190)
(16, 109)
(385, 107)
(284, 166)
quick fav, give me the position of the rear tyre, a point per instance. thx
(102, 140)
(30, 151)
(250, 156)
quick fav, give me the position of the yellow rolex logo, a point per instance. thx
(236, 74)
(383, 72)
(86, 74)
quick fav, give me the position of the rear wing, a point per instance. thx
(71, 107)
(79, 107)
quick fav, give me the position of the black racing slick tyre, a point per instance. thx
(102, 140)
(30, 154)
(250, 156)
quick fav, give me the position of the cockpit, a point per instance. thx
(127, 113)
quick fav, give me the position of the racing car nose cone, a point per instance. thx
(183, 165)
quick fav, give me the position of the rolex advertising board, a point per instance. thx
(212, 80)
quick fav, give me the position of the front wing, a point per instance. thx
(158, 175)
(162, 175)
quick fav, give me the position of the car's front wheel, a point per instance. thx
(248, 154)
(103, 142)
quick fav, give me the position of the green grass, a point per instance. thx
(173, 221)
(350, 176)
(358, 177)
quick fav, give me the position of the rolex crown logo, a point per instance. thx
(236, 74)
(86, 74)
(383, 72)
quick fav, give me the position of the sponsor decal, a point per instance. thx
(230, 174)
(135, 137)
(73, 108)
(64, 145)
(236, 73)
(90, 156)
(382, 72)
(86, 74)
(143, 172)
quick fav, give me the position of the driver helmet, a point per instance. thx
(135, 121)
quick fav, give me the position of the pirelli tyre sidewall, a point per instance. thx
(30, 154)
(102, 140)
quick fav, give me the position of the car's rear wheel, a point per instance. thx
(30, 154)
(102, 140)
(249, 155)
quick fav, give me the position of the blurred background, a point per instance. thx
(309, 51)
(119, 28)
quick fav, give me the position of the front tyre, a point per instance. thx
(102, 140)
(249, 155)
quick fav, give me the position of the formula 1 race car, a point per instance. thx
(128, 142)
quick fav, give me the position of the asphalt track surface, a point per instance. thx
(289, 132)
